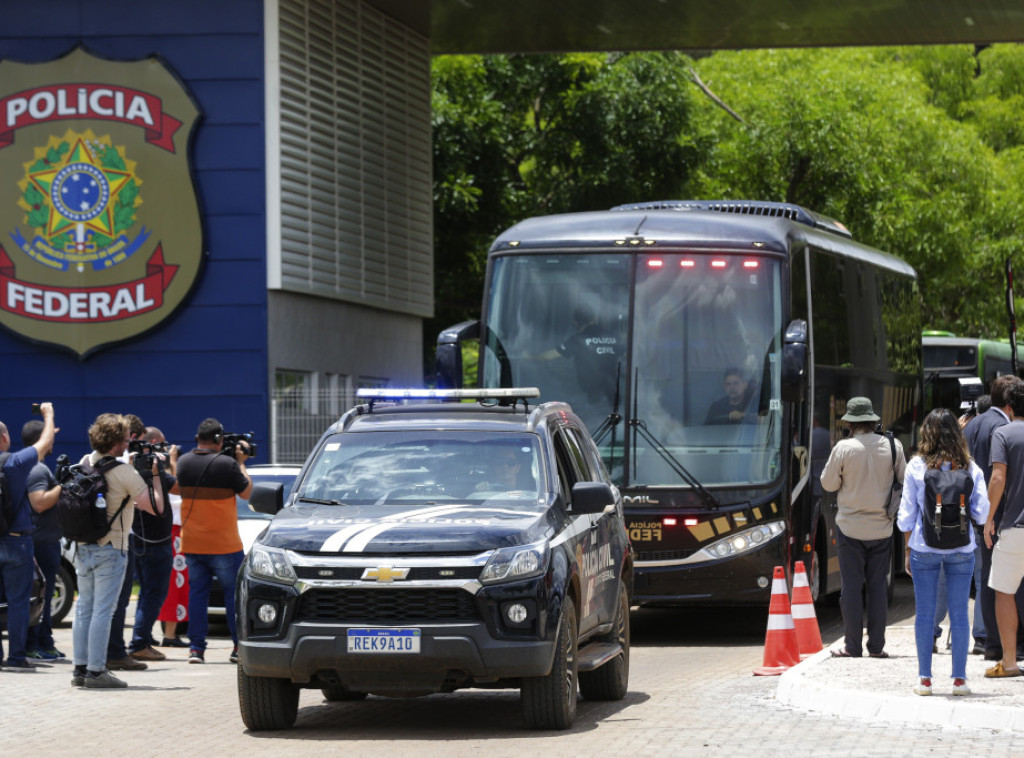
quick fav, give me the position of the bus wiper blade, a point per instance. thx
(319, 501)
(612, 420)
(709, 500)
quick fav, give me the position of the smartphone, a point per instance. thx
(36, 410)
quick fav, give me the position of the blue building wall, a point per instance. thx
(210, 358)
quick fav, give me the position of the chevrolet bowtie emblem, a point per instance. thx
(385, 574)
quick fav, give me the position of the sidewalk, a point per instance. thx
(881, 688)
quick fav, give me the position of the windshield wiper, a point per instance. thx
(319, 501)
(612, 420)
(640, 430)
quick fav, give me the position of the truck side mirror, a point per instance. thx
(267, 497)
(794, 361)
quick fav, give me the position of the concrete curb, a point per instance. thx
(797, 688)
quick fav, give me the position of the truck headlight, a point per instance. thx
(512, 563)
(271, 564)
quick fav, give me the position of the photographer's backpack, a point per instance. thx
(6, 501)
(79, 518)
(946, 516)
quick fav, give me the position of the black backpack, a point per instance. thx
(946, 516)
(79, 518)
(6, 501)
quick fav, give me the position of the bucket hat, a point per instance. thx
(859, 409)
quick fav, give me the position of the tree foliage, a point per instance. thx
(919, 151)
(518, 136)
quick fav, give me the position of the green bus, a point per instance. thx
(947, 358)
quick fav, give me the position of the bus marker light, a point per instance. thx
(655, 263)
(669, 521)
(691, 522)
(687, 263)
(750, 264)
(718, 264)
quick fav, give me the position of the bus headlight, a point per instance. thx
(743, 542)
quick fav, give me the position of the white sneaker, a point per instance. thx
(960, 687)
(923, 687)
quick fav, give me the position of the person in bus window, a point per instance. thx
(734, 407)
(594, 352)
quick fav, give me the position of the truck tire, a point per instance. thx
(339, 692)
(267, 703)
(611, 681)
(549, 702)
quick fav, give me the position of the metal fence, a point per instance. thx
(299, 415)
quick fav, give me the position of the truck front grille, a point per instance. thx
(387, 607)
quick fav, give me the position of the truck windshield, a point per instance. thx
(403, 468)
(700, 361)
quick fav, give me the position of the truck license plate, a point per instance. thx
(383, 640)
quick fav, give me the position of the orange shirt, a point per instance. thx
(209, 526)
(208, 482)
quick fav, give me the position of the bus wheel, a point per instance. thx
(814, 576)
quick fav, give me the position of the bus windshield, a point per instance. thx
(700, 357)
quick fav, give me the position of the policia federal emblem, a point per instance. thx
(100, 230)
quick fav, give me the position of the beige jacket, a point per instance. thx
(122, 481)
(860, 470)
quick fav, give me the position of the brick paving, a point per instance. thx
(691, 693)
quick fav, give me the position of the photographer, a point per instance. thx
(151, 542)
(117, 652)
(101, 565)
(209, 477)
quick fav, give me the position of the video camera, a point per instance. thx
(146, 452)
(232, 441)
(63, 468)
(971, 389)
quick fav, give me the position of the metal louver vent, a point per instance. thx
(354, 157)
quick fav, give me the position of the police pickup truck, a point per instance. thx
(433, 546)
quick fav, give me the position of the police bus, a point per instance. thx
(710, 347)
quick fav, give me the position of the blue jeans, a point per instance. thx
(100, 571)
(978, 629)
(40, 636)
(958, 568)
(17, 570)
(153, 568)
(201, 570)
(115, 643)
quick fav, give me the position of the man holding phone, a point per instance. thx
(16, 548)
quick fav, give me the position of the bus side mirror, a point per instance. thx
(794, 361)
(448, 354)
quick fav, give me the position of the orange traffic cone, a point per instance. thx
(780, 647)
(808, 636)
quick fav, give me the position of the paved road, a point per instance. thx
(691, 693)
